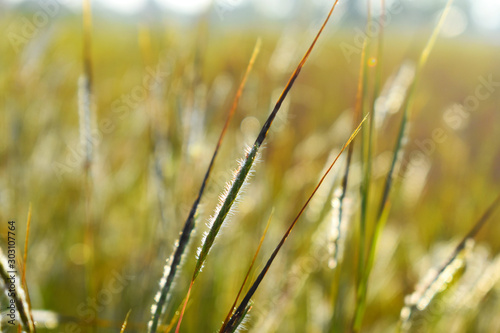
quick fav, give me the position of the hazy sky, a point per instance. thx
(484, 13)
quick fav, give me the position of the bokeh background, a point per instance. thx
(164, 76)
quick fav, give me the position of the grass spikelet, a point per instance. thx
(439, 279)
(171, 267)
(236, 318)
(248, 161)
(246, 166)
(435, 282)
(19, 296)
(223, 210)
(241, 320)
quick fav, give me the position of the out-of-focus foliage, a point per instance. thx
(160, 95)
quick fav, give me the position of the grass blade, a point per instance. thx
(366, 161)
(408, 104)
(384, 205)
(247, 275)
(242, 317)
(174, 261)
(236, 318)
(25, 255)
(243, 172)
(25, 260)
(250, 157)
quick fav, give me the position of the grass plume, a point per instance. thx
(174, 261)
(244, 170)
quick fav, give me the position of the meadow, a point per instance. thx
(108, 128)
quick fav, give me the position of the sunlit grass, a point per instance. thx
(150, 156)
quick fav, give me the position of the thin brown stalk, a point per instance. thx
(124, 325)
(25, 256)
(235, 319)
(189, 225)
(246, 165)
(247, 274)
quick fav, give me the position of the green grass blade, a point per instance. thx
(384, 205)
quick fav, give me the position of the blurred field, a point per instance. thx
(150, 155)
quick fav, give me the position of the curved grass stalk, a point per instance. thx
(383, 210)
(243, 172)
(247, 275)
(174, 261)
(241, 310)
